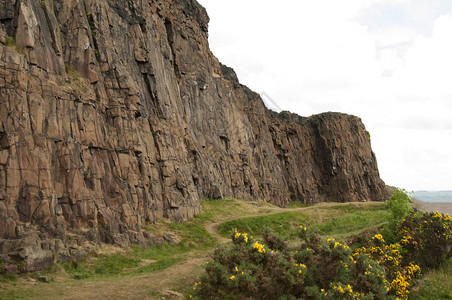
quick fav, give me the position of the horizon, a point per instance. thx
(433, 196)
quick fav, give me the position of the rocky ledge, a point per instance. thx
(115, 113)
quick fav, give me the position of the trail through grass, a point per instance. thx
(338, 221)
(166, 271)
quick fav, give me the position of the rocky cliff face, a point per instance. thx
(115, 113)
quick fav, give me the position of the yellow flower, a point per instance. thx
(260, 247)
(232, 277)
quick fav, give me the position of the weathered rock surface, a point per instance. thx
(115, 113)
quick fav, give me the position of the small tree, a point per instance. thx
(399, 204)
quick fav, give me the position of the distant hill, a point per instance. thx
(433, 196)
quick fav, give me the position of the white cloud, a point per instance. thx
(387, 61)
(428, 63)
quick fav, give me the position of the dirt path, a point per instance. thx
(212, 228)
(158, 285)
(150, 286)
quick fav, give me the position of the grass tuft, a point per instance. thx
(280, 223)
(437, 284)
(10, 42)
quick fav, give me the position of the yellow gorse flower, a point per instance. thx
(239, 234)
(260, 247)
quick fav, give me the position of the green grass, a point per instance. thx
(102, 265)
(436, 284)
(296, 204)
(216, 210)
(8, 277)
(194, 238)
(194, 233)
(353, 207)
(335, 221)
(280, 223)
(10, 42)
(11, 295)
(72, 73)
(352, 223)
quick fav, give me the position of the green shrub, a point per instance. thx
(273, 241)
(400, 277)
(315, 269)
(426, 238)
(399, 205)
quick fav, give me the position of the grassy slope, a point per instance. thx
(148, 273)
(338, 221)
(437, 284)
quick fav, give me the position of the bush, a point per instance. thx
(399, 276)
(315, 269)
(426, 238)
(399, 204)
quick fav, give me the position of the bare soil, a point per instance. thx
(444, 208)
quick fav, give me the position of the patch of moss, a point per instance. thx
(72, 73)
(10, 42)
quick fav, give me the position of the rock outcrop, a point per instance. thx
(115, 113)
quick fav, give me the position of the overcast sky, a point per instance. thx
(386, 61)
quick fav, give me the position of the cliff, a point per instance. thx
(115, 113)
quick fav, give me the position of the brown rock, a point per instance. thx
(4, 157)
(27, 23)
(116, 114)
